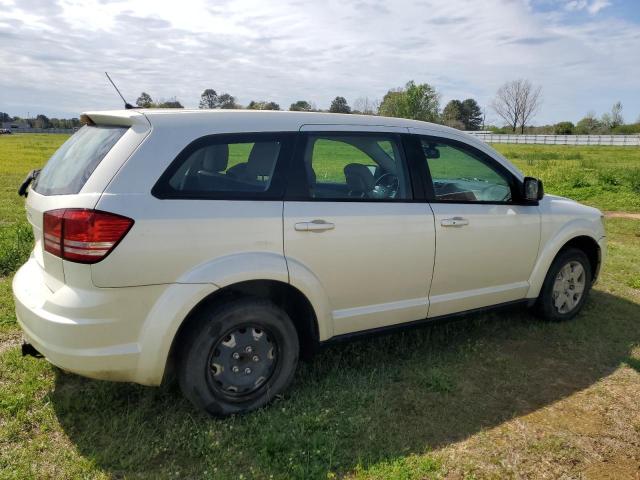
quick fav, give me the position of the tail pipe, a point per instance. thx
(30, 350)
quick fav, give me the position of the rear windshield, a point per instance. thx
(70, 167)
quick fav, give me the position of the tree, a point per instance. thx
(453, 115)
(392, 104)
(589, 124)
(263, 105)
(227, 101)
(564, 128)
(465, 115)
(4, 117)
(616, 115)
(209, 99)
(365, 106)
(423, 102)
(42, 121)
(516, 102)
(173, 103)
(339, 105)
(144, 100)
(415, 101)
(301, 106)
(472, 116)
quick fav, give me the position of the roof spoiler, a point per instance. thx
(119, 118)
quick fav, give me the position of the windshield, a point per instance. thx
(70, 167)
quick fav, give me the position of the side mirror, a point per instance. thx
(533, 189)
(431, 150)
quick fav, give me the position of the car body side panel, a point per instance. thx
(173, 237)
(161, 326)
(486, 262)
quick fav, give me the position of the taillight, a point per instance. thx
(81, 235)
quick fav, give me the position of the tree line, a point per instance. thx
(414, 101)
(41, 121)
(515, 103)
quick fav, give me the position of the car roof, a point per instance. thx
(284, 120)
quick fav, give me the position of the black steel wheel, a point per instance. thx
(237, 356)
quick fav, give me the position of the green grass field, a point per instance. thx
(498, 395)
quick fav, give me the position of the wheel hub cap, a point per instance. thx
(568, 287)
(242, 360)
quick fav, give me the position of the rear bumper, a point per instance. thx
(93, 332)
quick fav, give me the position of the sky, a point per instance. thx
(585, 54)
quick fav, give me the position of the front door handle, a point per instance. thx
(454, 222)
(314, 226)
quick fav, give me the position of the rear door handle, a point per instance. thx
(314, 226)
(454, 222)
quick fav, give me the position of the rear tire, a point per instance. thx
(237, 357)
(565, 287)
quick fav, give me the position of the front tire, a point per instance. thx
(565, 287)
(237, 356)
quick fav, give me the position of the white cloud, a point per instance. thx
(593, 6)
(54, 53)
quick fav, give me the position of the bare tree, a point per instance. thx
(366, 106)
(616, 115)
(516, 102)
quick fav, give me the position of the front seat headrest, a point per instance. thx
(359, 178)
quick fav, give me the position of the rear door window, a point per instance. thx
(70, 167)
(226, 166)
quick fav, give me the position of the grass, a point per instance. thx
(499, 395)
(605, 177)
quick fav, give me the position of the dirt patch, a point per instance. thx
(9, 340)
(615, 468)
(634, 216)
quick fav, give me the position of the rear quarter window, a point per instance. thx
(70, 167)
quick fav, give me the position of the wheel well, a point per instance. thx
(591, 249)
(285, 296)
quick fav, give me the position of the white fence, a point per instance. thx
(619, 140)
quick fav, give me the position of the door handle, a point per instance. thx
(314, 226)
(454, 222)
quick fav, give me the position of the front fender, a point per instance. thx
(575, 228)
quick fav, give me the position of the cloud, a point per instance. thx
(593, 6)
(54, 52)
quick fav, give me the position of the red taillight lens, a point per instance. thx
(84, 236)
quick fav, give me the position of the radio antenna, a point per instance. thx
(127, 105)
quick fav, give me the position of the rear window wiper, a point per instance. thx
(31, 176)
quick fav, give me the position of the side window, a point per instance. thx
(356, 167)
(214, 166)
(458, 175)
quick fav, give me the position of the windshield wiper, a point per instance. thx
(31, 176)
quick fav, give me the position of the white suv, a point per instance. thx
(226, 244)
